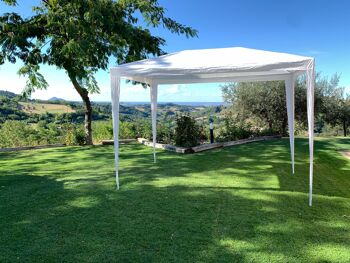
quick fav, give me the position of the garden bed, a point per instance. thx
(205, 147)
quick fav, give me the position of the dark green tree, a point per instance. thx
(266, 102)
(187, 132)
(336, 104)
(80, 37)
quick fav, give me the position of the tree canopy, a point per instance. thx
(80, 37)
(266, 103)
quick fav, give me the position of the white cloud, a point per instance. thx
(174, 91)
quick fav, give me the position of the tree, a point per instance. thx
(262, 100)
(266, 102)
(336, 105)
(80, 37)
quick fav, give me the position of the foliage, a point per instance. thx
(16, 134)
(336, 106)
(263, 104)
(264, 100)
(19, 133)
(165, 133)
(135, 119)
(187, 132)
(73, 134)
(127, 130)
(235, 129)
(103, 130)
(143, 128)
(80, 37)
(10, 110)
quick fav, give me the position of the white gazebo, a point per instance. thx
(218, 65)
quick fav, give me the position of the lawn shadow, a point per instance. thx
(229, 205)
(166, 224)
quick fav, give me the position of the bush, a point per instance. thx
(17, 134)
(127, 130)
(103, 130)
(187, 132)
(238, 130)
(235, 131)
(164, 133)
(73, 134)
(143, 129)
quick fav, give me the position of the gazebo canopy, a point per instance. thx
(235, 64)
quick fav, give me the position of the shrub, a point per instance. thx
(127, 130)
(165, 134)
(16, 134)
(235, 131)
(103, 130)
(73, 134)
(143, 129)
(187, 132)
(238, 130)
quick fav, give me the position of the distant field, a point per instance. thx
(41, 108)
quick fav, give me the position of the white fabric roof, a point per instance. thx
(218, 65)
(214, 65)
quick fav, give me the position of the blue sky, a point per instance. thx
(313, 28)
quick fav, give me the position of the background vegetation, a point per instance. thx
(250, 110)
(91, 32)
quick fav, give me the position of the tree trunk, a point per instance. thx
(84, 94)
(344, 127)
(284, 127)
(270, 124)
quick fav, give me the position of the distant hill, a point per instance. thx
(56, 99)
(7, 94)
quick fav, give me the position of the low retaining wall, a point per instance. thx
(31, 147)
(164, 146)
(257, 139)
(205, 147)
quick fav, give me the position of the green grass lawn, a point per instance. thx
(239, 204)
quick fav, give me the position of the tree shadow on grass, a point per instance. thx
(46, 222)
(229, 205)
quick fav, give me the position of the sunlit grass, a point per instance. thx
(238, 204)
